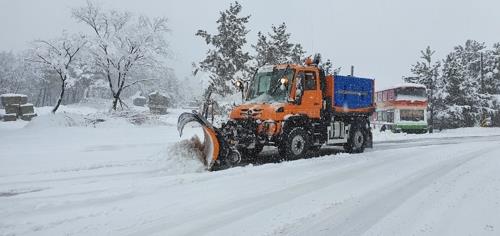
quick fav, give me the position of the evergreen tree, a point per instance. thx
(297, 54)
(492, 70)
(454, 94)
(463, 95)
(426, 73)
(263, 50)
(225, 60)
(275, 48)
(474, 106)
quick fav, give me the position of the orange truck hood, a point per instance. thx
(260, 111)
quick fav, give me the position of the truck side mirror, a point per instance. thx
(284, 83)
(239, 85)
(298, 96)
(299, 89)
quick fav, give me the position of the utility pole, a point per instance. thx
(431, 100)
(481, 72)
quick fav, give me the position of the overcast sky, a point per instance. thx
(381, 38)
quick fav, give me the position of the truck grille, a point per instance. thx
(251, 113)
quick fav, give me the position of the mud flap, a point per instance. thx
(213, 145)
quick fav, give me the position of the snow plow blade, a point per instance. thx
(212, 144)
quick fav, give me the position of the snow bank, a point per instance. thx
(86, 118)
(67, 119)
(60, 119)
(460, 132)
(12, 125)
(6, 95)
(76, 109)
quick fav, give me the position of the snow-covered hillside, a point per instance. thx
(69, 175)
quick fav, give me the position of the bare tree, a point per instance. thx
(58, 55)
(120, 43)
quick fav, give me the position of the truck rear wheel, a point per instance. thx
(295, 144)
(357, 141)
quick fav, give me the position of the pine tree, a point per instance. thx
(454, 84)
(263, 50)
(475, 105)
(426, 73)
(454, 94)
(225, 60)
(275, 48)
(297, 54)
(492, 70)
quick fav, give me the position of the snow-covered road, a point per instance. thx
(122, 181)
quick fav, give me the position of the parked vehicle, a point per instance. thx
(402, 108)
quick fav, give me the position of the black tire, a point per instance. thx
(295, 144)
(357, 140)
(231, 160)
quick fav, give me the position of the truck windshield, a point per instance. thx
(265, 86)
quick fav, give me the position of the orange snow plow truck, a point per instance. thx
(296, 108)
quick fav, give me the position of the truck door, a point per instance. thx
(311, 95)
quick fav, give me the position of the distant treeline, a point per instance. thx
(464, 87)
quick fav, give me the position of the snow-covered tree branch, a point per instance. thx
(58, 55)
(122, 43)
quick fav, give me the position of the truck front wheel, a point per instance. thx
(295, 144)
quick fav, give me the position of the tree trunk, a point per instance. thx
(115, 102)
(116, 96)
(116, 99)
(63, 86)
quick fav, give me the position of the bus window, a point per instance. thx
(390, 116)
(409, 93)
(411, 115)
(391, 96)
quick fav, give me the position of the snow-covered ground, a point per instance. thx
(71, 175)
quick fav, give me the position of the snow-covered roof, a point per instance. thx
(12, 95)
(414, 85)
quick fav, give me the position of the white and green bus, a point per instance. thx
(402, 108)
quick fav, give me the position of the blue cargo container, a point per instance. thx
(352, 92)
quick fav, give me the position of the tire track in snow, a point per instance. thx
(358, 215)
(192, 224)
(183, 224)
